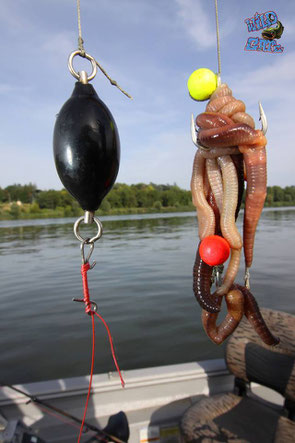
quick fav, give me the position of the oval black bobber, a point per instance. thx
(86, 147)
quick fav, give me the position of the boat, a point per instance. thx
(154, 400)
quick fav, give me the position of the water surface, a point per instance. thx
(142, 284)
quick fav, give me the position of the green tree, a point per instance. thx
(2, 195)
(15, 210)
(24, 193)
(49, 199)
(157, 205)
(114, 198)
(278, 194)
(105, 205)
(126, 195)
(34, 209)
(269, 196)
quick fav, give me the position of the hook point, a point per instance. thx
(262, 118)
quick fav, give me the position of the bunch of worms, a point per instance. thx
(230, 151)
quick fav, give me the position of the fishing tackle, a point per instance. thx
(86, 142)
(86, 150)
(228, 131)
(227, 143)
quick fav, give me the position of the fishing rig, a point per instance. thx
(87, 155)
(230, 152)
(218, 269)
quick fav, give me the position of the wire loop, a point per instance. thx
(83, 55)
(88, 240)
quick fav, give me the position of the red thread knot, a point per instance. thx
(84, 268)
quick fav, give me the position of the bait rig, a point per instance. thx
(228, 148)
(87, 155)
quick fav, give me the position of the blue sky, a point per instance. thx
(150, 47)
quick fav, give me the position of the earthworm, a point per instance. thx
(212, 203)
(227, 205)
(202, 272)
(255, 162)
(219, 152)
(235, 307)
(231, 272)
(254, 316)
(215, 180)
(205, 213)
(243, 117)
(218, 103)
(228, 140)
(208, 120)
(253, 150)
(233, 107)
(230, 200)
(206, 183)
(202, 284)
(222, 90)
(239, 164)
(236, 134)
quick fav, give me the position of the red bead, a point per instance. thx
(214, 250)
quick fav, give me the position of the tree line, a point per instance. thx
(28, 198)
(121, 196)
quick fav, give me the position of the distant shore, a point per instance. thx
(26, 214)
(25, 211)
(27, 202)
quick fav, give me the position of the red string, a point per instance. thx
(112, 348)
(91, 370)
(86, 298)
(84, 268)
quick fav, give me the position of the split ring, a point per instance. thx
(77, 74)
(87, 240)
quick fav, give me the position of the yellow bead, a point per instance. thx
(201, 84)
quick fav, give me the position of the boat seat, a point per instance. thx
(240, 416)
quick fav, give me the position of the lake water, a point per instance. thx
(142, 284)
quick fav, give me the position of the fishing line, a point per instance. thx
(83, 54)
(88, 309)
(90, 379)
(112, 348)
(218, 44)
(80, 39)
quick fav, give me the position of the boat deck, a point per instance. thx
(154, 399)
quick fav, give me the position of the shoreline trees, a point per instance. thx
(27, 201)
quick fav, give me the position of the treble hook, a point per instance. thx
(262, 118)
(194, 135)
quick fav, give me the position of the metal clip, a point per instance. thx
(216, 276)
(86, 260)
